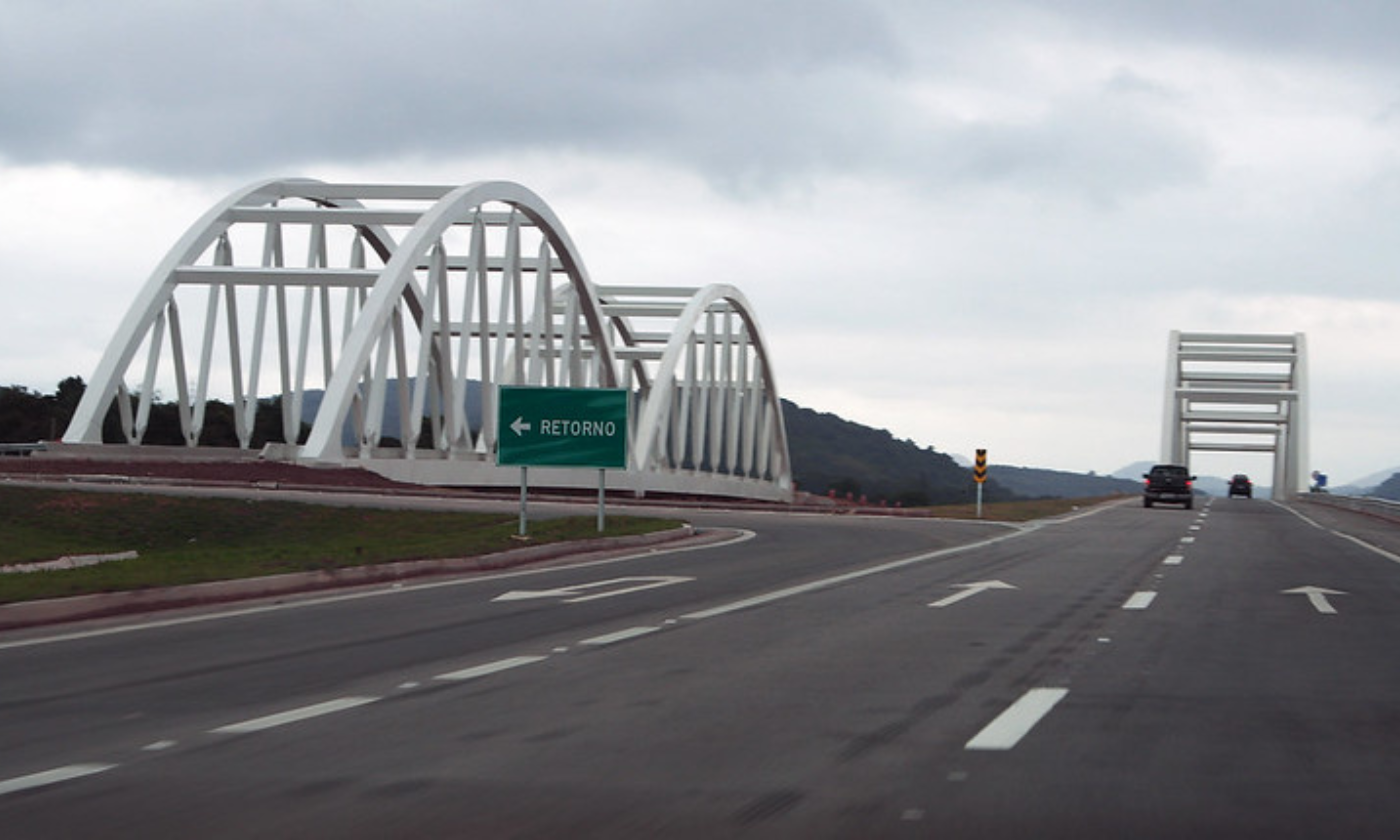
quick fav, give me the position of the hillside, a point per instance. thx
(829, 453)
(1037, 483)
(1389, 489)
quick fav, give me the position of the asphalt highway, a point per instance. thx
(1119, 672)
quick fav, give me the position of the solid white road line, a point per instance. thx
(51, 777)
(619, 636)
(1013, 724)
(1139, 601)
(293, 715)
(490, 668)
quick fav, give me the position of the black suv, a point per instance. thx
(1240, 485)
(1167, 483)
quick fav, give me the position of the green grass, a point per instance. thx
(1024, 511)
(189, 540)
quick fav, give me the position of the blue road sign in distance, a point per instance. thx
(561, 427)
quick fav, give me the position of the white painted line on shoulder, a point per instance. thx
(741, 535)
(51, 777)
(1139, 601)
(1173, 560)
(619, 636)
(1012, 725)
(1394, 558)
(293, 715)
(490, 668)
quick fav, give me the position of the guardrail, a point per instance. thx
(1369, 505)
(22, 449)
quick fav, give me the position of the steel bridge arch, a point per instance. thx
(430, 320)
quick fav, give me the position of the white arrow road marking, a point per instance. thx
(519, 426)
(970, 589)
(1317, 596)
(574, 594)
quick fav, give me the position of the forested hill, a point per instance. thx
(828, 452)
(1037, 483)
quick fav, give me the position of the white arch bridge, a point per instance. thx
(412, 303)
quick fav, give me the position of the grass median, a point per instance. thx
(180, 540)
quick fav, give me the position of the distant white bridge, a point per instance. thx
(435, 292)
(1239, 393)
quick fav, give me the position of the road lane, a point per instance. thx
(105, 692)
(844, 709)
(1228, 708)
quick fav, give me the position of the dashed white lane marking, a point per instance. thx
(619, 636)
(1139, 601)
(1019, 718)
(294, 715)
(1188, 539)
(157, 746)
(490, 668)
(1173, 560)
(51, 777)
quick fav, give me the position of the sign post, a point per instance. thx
(979, 475)
(561, 427)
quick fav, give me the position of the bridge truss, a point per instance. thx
(384, 345)
(1239, 393)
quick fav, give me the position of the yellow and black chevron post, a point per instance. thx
(979, 475)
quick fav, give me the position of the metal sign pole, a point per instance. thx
(522, 500)
(602, 482)
(979, 500)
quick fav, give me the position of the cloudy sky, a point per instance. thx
(971, 224)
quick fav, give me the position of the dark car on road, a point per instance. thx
(1240, 485)
(1168, 483)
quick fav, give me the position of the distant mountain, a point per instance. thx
(1368, 485)
(1389, 489)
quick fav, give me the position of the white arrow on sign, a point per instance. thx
(574, 594)
(1317, 596)
(519, 426)
(970, 589)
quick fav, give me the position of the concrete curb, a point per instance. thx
(108, 604)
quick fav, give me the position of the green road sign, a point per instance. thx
(561, 427)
